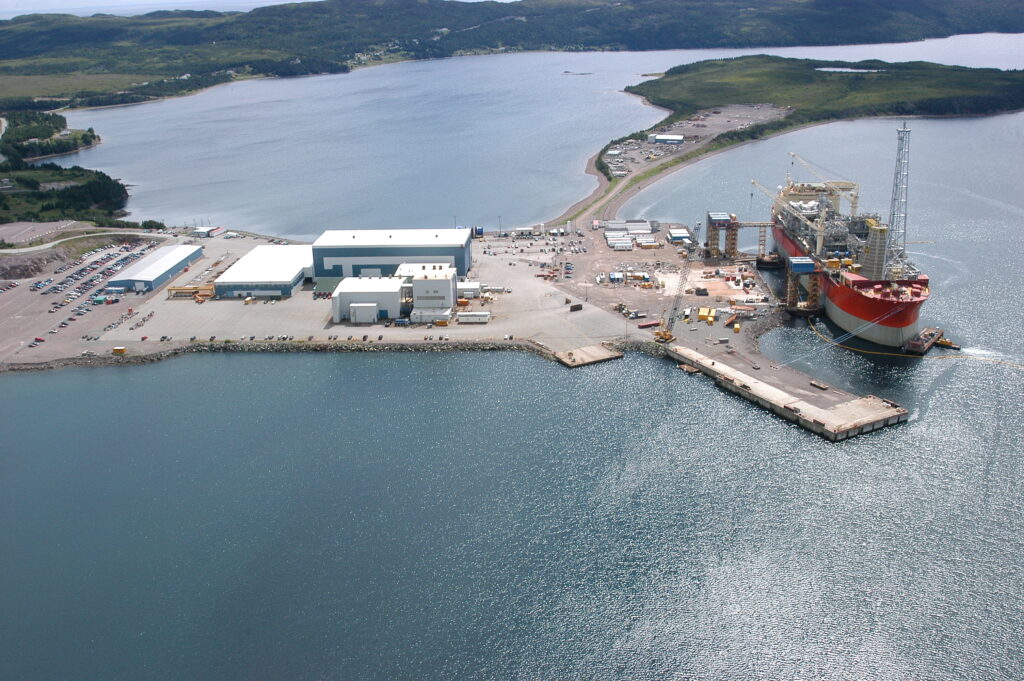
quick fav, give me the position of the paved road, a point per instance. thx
(43, 247)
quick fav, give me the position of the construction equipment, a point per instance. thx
(817, 228)
(843, 188)
(664, 334)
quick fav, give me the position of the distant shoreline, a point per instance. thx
(33, 159)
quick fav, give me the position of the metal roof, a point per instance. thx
(157, 263)
(370, 238)
(269, 264)
(369, 285)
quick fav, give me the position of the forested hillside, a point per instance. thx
(136, 58)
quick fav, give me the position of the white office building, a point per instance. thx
(364, 300)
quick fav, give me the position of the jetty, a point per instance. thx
(590, 354)
(820, 408)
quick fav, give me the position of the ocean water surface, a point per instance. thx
(493, 516)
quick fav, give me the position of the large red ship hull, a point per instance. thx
(885, 321)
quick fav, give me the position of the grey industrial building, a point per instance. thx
(157, 268)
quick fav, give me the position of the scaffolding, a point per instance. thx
(728, 223)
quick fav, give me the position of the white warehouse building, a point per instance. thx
(267, 271)
(364, 300)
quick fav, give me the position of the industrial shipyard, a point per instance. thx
(578, 291)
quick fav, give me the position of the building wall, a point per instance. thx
(347, 261)
(468, 289)
(423, 315)
(388, 303)
(258, 289)
(434, 293)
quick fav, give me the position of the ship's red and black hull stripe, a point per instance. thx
(884, 321)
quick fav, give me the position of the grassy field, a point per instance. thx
(878, 88)
(64, 85)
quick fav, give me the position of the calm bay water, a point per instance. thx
(492, 516)
(437, 516)
(414, 144)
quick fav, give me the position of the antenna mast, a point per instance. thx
(896, 264)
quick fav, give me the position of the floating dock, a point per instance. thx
(832, 413)
(591, 354)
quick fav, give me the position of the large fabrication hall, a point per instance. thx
(379, 252)
(267, 270)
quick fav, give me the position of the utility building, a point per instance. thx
(157, 268)
(364, 300)
(207, 232)
(379, 252)
(434, 291)
(267, 271)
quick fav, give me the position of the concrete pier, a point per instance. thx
(591, 354)
(832, 413)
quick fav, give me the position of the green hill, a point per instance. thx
(816, 92)
(852, 90)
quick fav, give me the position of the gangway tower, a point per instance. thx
(728, 223)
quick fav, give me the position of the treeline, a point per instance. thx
(299, 66)
(59, 145)
(24, 125)
(30, 134)
(10, 104)
(96, 197)
(102, 191)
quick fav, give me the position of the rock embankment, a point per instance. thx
(97, 360)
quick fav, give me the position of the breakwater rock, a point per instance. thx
(97, 360)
